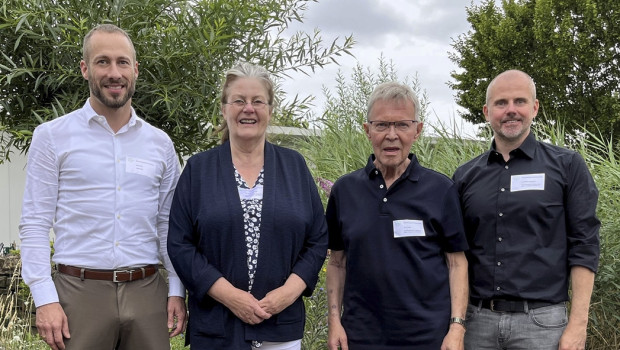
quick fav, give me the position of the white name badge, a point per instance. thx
(408, 228)
(255, 192)
(527, 182)
(140, 166)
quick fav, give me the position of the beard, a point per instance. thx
(116, 101)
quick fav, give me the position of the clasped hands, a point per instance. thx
(253, 311)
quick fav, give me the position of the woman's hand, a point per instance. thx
(281, 298)
(246, 307)
(241, 303)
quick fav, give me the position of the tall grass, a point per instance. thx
(15, 318)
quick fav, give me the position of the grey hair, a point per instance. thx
(246, 70)
(394, 91)
(106, 28)
(512, 71)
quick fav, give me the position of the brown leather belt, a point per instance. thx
(125, 275)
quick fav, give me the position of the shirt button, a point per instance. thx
(376, 172)
(499, 263)
(499, 239)
(501, 214)
(506, 166)
(498, 288)
(118, 188)
(384, 200)
(117, 244)
(503, 189)
(380, 186)
(118, 216)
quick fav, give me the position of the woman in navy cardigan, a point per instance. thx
(247, 230)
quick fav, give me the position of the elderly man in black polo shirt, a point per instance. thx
(529, 213)
(397, 269)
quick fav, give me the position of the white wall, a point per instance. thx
(12, 181)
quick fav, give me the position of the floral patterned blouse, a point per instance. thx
(252, 205)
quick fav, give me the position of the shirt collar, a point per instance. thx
(410, 173)
(89, 115)
(527, 149)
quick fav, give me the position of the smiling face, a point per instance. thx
(391, 147)
(248, 122)
(111, 71)
(511, 107)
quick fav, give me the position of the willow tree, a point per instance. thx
(183, 48)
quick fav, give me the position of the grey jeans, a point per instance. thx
(538, 329)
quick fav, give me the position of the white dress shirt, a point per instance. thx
(106, 195)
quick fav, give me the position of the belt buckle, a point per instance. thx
(115, 276)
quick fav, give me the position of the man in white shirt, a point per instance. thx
(103, 179)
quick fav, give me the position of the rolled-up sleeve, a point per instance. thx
(582, 224)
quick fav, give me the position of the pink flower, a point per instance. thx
(325, 184)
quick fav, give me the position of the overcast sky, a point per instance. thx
(416, 35)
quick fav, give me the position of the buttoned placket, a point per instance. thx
(503, 189)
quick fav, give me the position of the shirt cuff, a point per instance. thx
(44, 293)
(175, 287)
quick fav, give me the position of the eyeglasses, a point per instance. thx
(401, 125)
(255, 103)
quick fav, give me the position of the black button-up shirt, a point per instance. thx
(528, 221)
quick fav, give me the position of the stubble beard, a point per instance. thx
(113, 102)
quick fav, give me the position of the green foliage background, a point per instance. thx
(569, 47)
(183, 48)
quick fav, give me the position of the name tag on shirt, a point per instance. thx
(255, 192)
(527, 182)
(408, 228)
(140, 167)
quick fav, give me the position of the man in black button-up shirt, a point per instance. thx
(529, 214)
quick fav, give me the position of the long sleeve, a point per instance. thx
(191, 265)
(166, 193)
(313, 254)
(38, 211)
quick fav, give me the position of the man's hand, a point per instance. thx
(336, 337)
(455, 339)
(573, 338)
(53, 325)
(177, 316)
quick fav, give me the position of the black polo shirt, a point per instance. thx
(396, 293)
(528, 221)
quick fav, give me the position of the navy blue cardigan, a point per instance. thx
(206, 241)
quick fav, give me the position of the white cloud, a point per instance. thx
(416, 35)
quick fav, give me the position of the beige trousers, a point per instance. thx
(104, 315)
